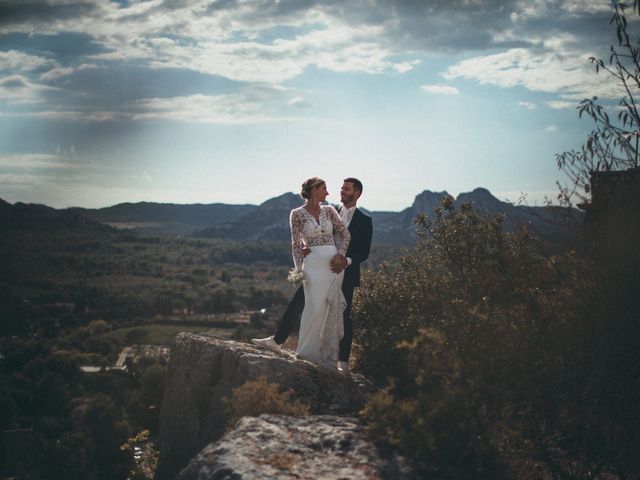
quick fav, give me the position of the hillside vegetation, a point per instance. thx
(497, 361)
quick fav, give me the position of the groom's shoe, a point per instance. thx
(343, 367)
(268, 343)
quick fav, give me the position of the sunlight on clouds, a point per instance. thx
(534, 9)
(34, 161)
(20, 61)
(59, 72)
(586, 6)
(79, 115)
(17, 89)
(226, 44)
(252, 104)
(549, 71)
(440, 89)
(249, 106)
(12, 179)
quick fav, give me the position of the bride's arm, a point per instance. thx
(341, 230)
(295, 222)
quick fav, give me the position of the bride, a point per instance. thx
(312, 229)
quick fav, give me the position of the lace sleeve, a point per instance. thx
(341, 230)
(295, 221)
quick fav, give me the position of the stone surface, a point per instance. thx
(204, 369)
(281, 447)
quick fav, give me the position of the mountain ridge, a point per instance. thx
(270, 219)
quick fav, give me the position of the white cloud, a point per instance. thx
(227, 109)
(527, 105)
(18, 89)
(567, 73)
(440, 89)
(586, 6)
(405, 67)
(536, 9)
(58, 72)
(298, 102)
(551, 129)
(561, 104)
(252, 104)
(13, 179)
(228, 43)
(32, 160)
(17, 61)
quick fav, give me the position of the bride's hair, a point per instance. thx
(308, 185)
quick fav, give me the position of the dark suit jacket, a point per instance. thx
(361, 230)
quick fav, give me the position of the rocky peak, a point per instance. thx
(204, 370)
(426, 201)
(482, 199)
(286, 201)
(280, 447)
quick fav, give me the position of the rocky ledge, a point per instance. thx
(280, 447)
(203, 371)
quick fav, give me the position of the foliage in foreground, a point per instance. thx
(255, 397)
(498, 361)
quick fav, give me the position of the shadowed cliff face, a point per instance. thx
(203, 371)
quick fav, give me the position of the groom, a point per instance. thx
(361, 229)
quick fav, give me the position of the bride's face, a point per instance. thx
(320, 193)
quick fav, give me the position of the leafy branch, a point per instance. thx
(613, 143)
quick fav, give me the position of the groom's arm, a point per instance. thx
(362, 244)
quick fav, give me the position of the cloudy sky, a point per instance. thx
(237, 101)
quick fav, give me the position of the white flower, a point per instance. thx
(295, 276)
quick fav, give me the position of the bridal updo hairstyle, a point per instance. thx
(310, 184)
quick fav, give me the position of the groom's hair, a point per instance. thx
(357, 184)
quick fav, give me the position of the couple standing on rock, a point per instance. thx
(328, 247)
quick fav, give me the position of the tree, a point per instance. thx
(106, 424)
(498, 360)
(614, 142)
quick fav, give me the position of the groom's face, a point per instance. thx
(348, 194)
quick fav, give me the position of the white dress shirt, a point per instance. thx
(347, 214)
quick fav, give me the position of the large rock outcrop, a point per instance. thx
(203, 371)
(280, 447)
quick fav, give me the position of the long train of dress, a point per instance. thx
(321, 326)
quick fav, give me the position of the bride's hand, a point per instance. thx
(337, 263)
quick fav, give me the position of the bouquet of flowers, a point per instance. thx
(295, 276)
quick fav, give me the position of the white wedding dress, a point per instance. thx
(321, 326)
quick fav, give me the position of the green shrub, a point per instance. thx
(432, 420)
(511, 358)
(256, 397)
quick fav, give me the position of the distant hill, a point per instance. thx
(555, 225)
(551, 224)
(167, 218)
(398, 228)
(37, 218)
(270, 220)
